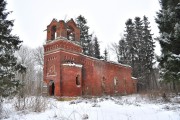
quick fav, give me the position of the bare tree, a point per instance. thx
(33, 60)
(115, 49)
(32, 79)
(38, 56)
(27, 79)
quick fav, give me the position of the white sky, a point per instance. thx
(106, 18)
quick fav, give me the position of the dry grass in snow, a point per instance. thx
(131, 107)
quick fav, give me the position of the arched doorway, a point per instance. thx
(51, 88)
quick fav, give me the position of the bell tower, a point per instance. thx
(61, 29)
(62, 45)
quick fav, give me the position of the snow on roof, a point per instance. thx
(63, 39)
(112, 62)
(72, 64)
(125, 65)
(134, 78)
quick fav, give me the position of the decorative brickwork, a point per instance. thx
(68, 72)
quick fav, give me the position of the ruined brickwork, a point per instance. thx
(68, 72)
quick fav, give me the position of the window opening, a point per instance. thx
(53, 33)
(70, 34)
(77, 80)
(103, 86)
(115, 81)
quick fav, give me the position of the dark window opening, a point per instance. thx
(77, 80)
(53, 33)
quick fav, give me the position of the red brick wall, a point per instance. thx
(51, 70)
(97, 77)
(68, 81)
(61, 29)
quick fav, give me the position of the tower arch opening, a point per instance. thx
(70, 33)
(53, 33)
(51, 88)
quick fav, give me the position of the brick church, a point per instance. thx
(68, 72)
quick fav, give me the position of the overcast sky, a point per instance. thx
(106, 18)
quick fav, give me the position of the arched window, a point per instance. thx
(78, 80)
(53, 33)
(115, 81)
(103, 81)
(70, 34)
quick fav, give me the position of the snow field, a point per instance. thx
(132, 107)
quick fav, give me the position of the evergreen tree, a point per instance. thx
(148, 44)
(85, 37)
(130, 39)
(8, 62)
(148, 50)
(91, 49)
(168, 20)
(139, 44)
(105, 54)
(137, 50)
(144, 47)
(96, 48)
(123, 51)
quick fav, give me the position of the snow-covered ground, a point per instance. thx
(132, 107)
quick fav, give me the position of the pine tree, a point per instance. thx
(105, 54)
(91, 49)
(148, 50)
(85, 37)
(137, 50)
(168, 20)
(8, 62)
(148, 44)
(138, 47)
(123, 51)
(129, 37)
(96, 48)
